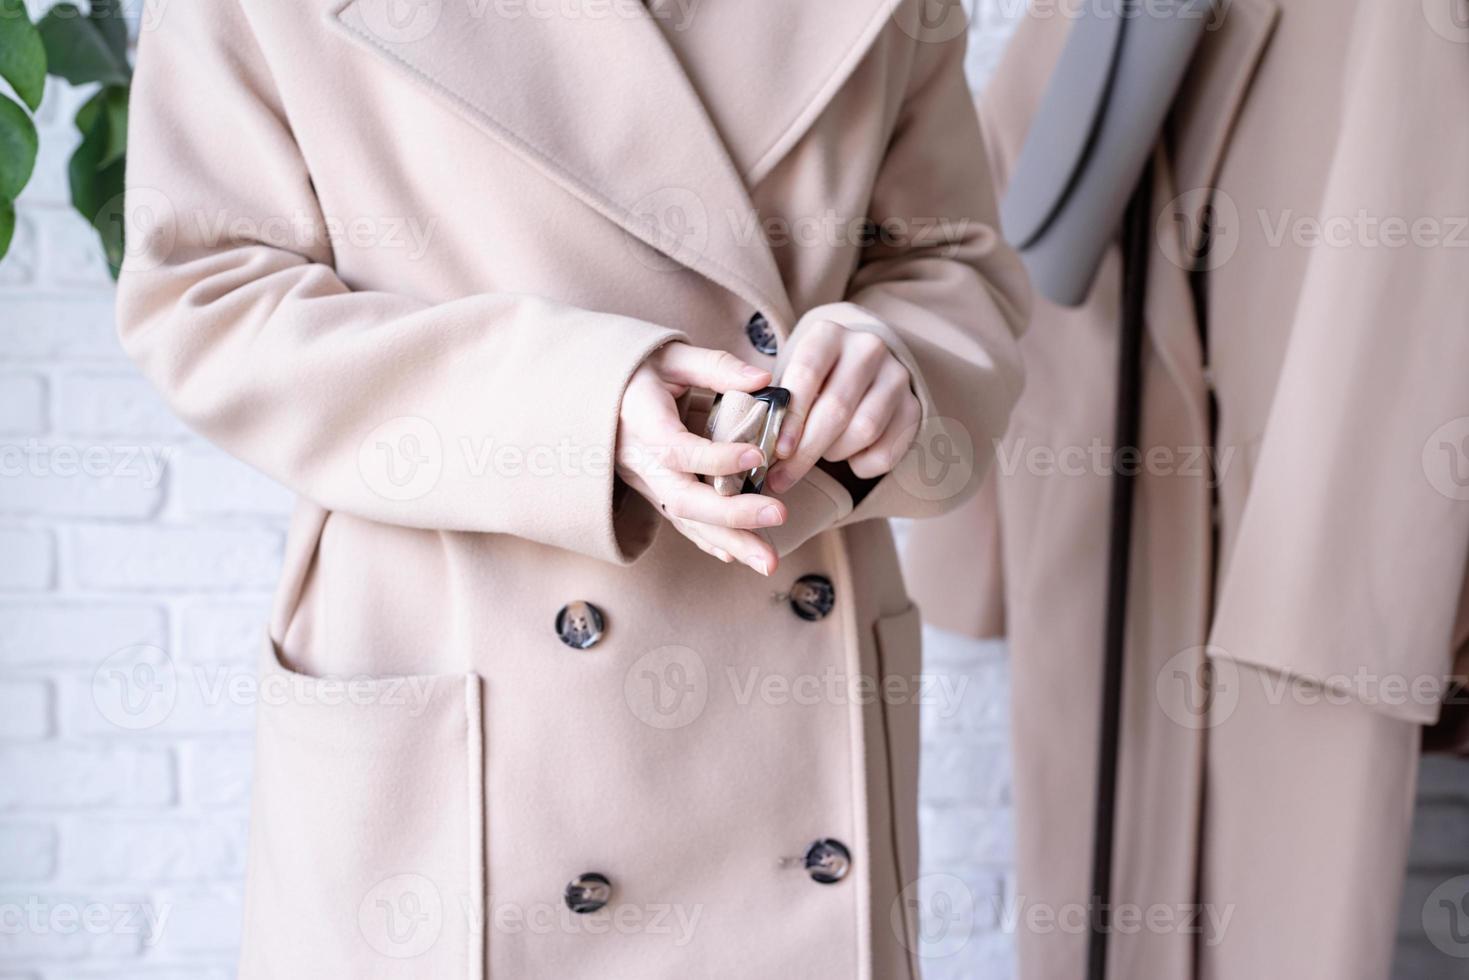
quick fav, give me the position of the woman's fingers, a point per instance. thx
(684, 452)
(691, 531)
(722, 543)
(876, 410)
(688, 499)
(862, 357)
(652, 436)
(811, 362)
(720, 525)
(850, 399)
(658, 457)
(745, 547)
(884, 454)
(703, 367)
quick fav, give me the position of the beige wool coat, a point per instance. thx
(1336, 295)
(404, 258)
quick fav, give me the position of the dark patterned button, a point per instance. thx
(762, 337)
(812, 597)
(586, 893)
(580, 625)
(828, 861)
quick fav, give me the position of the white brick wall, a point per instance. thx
(122, 536)
(118, 532)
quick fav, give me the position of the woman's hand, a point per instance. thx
(662, 460)
(851, 399)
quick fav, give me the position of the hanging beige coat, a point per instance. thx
(1328, 141)
(404, 258)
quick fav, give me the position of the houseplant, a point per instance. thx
(85, 48)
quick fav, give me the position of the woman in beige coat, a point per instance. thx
(448, 270)
(1297, 567)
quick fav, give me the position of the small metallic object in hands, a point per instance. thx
(738, 416)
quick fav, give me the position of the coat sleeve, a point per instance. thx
(949, 297)
(1348, 567)
(432, 415)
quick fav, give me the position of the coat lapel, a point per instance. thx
(660, 119)
(1210, 100)
(1188, 162)
(764, 69)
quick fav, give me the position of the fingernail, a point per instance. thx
(769, 516)
(757, 562)
(786, 446)
(751, 371)
(723, 555)
(779, 481)
(751, 458)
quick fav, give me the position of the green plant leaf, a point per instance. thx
(87, 115)
(97, 184)
(17, 148)
(110, 221)
(22, 55)
(86, 162)
(77, 49)
(107, 16)
(7, 226)
(113, 102)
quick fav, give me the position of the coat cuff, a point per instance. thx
(628, 523)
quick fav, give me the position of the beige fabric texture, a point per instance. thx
(1308, 811)
(586, 185)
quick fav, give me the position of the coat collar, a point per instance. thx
(1212, 95)
(1187, 163)
(661, 118)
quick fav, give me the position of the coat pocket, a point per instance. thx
(367, 828)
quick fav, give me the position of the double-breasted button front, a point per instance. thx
(588, 892)
(580, 625)
(812, 597)
(762, 336)
(828, 861)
